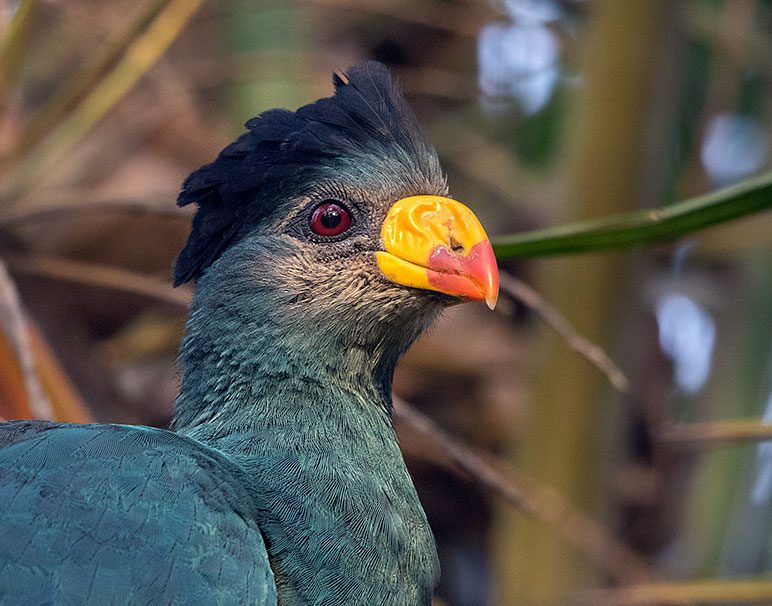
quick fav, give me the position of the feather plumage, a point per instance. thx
(143, 515)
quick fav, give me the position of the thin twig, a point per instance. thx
(519, 290)
(715, 434)
(14, 324)
(542, 502)
(726, 591)
(104, 276)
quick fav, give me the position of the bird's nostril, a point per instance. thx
(455, 245)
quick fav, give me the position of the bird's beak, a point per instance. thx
(436, 243)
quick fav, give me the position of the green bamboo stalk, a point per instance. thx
(562, 443)
(644, 227)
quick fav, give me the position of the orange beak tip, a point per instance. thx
(473, 276)
(487, 272)
(491, 299)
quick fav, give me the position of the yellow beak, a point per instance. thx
(437, 243)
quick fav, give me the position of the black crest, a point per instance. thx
(366, 116)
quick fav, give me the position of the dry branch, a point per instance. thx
(158, 207)
(751, 591)
(540, 501)
(715, 434)
(67, 404)
(516, 289)
(103, 276)
(14, 326)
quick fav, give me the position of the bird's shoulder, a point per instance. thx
(96, 514)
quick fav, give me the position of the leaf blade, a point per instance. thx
(641, 228)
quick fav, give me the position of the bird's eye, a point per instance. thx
(330, 219)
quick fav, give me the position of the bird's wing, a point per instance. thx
(112, 514)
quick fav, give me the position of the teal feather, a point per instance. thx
(101, 514)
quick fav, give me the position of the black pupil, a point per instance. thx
(331, 217)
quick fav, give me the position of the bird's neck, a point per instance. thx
(309, 422)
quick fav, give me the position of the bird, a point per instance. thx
(323, 243)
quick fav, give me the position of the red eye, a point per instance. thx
(330, 219)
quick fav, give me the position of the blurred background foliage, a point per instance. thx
(655, 488)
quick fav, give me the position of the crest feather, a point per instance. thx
(282, 151)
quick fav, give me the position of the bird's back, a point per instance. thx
(103, 514)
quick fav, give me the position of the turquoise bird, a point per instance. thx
(323, 244)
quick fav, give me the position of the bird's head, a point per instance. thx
(335, 217)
